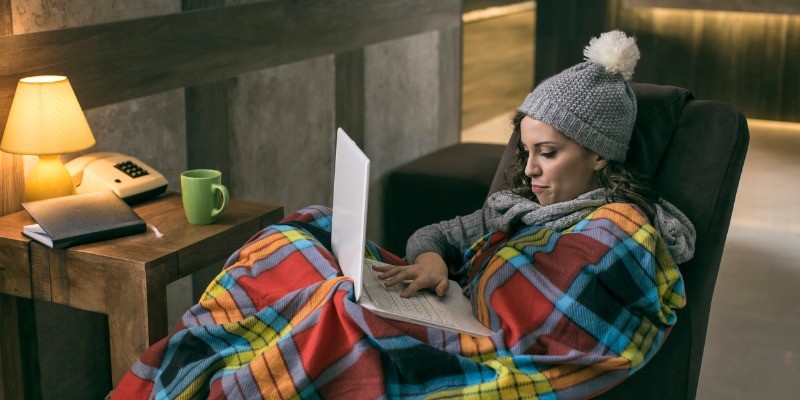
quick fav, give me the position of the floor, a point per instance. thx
(753, 342)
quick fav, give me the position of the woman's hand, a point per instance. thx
(429, 271)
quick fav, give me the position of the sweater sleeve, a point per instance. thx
(450, 239)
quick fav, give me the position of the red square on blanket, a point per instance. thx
(293, 273)
(565, 337)
(332, 336)
(523, 307)
(571, 254)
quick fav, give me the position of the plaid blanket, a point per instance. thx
(574, 313)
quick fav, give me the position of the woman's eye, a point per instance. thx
(549, 154)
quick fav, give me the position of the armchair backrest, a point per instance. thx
(695, 151)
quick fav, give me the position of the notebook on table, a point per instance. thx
(452, 311)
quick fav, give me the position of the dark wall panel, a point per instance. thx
(749, 59)
(563, 28)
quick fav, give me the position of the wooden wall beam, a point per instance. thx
(12, 182)
(207, 121)
(113, 62)
(208, 132)
(16, 314)
(350, 94)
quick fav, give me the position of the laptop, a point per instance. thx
(452, 311)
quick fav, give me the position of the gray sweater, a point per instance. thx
(452, 238)
(505, 211)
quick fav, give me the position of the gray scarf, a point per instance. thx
(676, 230)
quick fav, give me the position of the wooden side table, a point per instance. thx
(124, 278)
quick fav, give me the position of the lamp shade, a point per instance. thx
(46, 119)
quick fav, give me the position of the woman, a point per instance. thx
(574, 131)
(573, 269)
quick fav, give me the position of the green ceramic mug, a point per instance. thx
(204, 196)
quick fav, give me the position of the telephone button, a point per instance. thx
(131, 169)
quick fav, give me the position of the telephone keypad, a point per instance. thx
(131, 169)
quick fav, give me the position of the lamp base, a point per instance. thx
(48, 179)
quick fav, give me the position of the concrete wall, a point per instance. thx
(281, 149)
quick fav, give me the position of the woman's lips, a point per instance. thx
(538, 188)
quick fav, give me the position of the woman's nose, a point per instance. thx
(532, 168)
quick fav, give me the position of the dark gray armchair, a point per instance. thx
(694, 149)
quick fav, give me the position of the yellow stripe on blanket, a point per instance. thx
(566, 375)
(511, 383)
(640, 344)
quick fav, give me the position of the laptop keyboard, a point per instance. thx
(423, 305)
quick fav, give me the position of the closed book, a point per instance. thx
(81, 218)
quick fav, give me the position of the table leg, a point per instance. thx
(137, 317)
(18, 375)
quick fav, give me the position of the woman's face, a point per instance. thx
(559, 168)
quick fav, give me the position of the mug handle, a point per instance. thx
(224, 191)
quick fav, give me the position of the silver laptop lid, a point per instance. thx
(350, 192)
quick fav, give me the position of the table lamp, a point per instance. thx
(46, 120)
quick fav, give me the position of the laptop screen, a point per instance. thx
(350, 193)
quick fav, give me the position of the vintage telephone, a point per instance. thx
(127, 176)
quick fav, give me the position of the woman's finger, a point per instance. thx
(442, 287)
(388, 273)
(391, 281)
(412, 288)
(383, 267)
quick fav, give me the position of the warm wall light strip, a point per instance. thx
(783, 126)
(746, 6)
(709, 12)
(499, 11)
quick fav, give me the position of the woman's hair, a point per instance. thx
(621, 184)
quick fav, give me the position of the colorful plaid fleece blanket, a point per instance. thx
(574, 313)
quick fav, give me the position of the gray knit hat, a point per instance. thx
(591, 102)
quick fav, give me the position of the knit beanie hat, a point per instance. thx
(591, 102)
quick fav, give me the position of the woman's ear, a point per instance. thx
(600, 163)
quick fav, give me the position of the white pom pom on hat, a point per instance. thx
(592, 102)
(615, 51)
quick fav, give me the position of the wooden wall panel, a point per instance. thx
(790, 93)
(13, 381)
(563, 28)
(747, 59)
(12, 182)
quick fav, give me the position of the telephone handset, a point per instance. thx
(127, 176)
